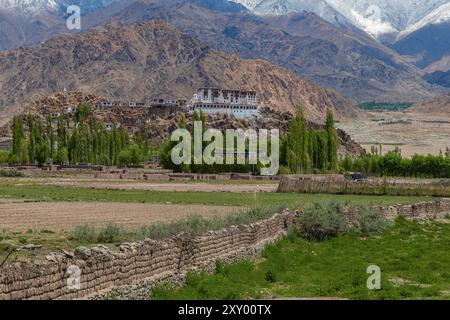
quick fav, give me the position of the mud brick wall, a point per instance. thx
(338, 184)
(150, 259)
(426, 210)
(438, 209)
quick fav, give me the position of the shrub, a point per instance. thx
(271, 276)
(4, 156)
(11, 174)
(367, 221)
(88, 234)
(23, 240)
(195, 224)
(321, 221)
(112, 233)
(84, 233)
(219, 266)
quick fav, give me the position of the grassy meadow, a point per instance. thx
(413, 259)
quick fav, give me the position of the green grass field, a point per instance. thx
(413, 258)
(34, 192)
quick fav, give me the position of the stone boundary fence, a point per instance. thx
(338, 184)
(94, 272)
(153, 260)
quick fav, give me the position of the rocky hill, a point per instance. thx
(162, 125)
(350, 62)
(340, 57)
(148, 60)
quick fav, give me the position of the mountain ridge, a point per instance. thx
(148, 60)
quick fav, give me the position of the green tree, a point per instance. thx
(31, 139)
(62, 156)
(296, 141)
(4, 157)
(18, 138)
(333, 141)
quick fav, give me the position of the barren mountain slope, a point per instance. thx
(349, 62)
(148, 60)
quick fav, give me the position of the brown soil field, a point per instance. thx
(19, 216)
(173, 186)
(411, 132)
(169, 187)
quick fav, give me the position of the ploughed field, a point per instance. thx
(19, 216)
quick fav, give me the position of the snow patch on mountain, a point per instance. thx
(438, 16)
(249, 4)
(376, 17)
(28, 5)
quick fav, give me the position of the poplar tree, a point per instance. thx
(298, 159)
(31, 139)
(18, 137)
(333, 141)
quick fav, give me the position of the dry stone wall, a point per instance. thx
(133, 268)
(152, 260)
(338, 184)
(426, 210)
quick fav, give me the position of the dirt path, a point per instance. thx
(58, 216)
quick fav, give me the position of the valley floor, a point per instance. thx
(44, 212)
(411, 132)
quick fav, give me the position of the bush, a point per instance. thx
(367, 221)
(219, 266)
(270, 276)
(88, 234)
(195, 224)
(84, 233)
(11, 174)
(23, 240)
(322, 221)
(112, 233)
(4, 157)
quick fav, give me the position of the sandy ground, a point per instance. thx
(119, 184)
(58, 216)
(171, 187)
(421, 134)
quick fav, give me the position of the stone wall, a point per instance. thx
(426, 210)
(338, 184)
(150, 259)
(138, 265)
(136, 174)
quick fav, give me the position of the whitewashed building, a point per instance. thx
(241, 104)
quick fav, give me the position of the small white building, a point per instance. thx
(241, 104)
(105, 104)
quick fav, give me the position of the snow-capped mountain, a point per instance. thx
(438, 16)
(28, 22)
(28, 5)
(33, 6)
(376, 17)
